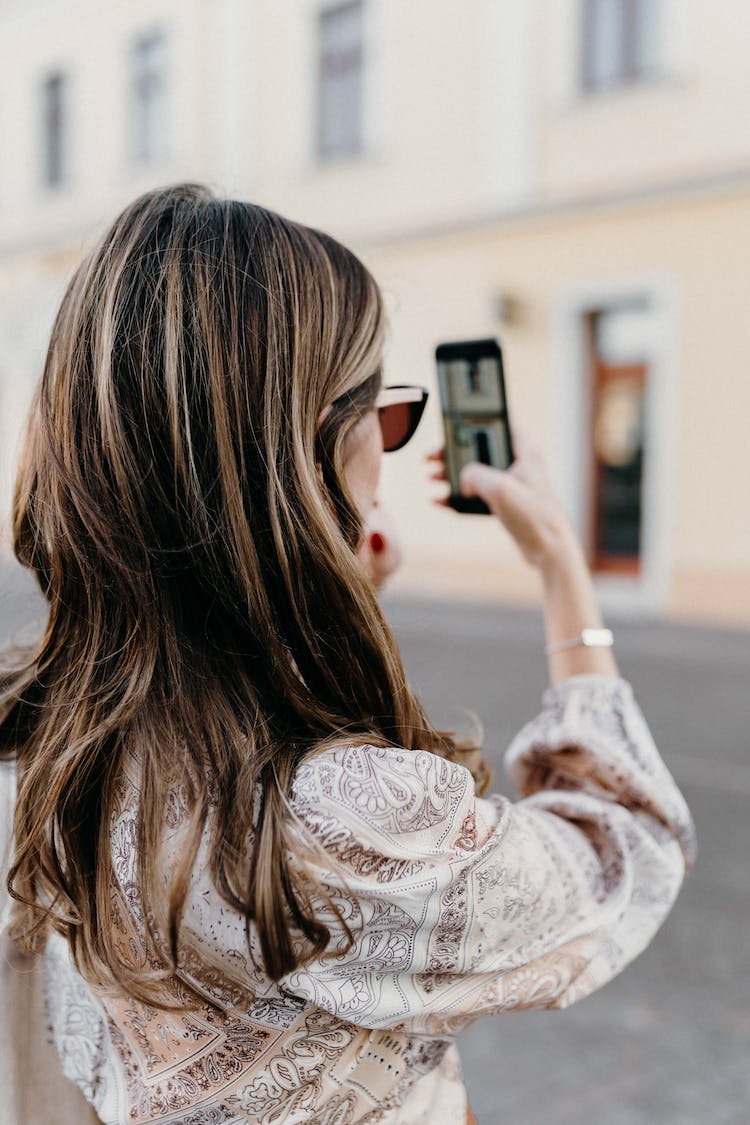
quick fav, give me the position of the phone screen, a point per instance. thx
(475, 412)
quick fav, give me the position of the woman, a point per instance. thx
(266, 886)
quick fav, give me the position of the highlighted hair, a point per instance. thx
(190, 528)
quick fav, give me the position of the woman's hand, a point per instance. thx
(522, 498)
(380, 552)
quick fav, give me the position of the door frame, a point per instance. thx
(648, 592)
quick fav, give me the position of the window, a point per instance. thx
(621, 42)
(149, 98)
(340, 80)
(474, 380)
(54, 114)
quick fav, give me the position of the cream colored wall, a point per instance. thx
(91, 40)
(470, 112)
(688, 123)
(448, 89)
(43, 234)
(443, 289)
(471, 109)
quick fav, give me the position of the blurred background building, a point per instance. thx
(572, 176)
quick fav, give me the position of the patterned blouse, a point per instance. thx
(460, 907)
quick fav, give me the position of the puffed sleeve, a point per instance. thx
(460, 906)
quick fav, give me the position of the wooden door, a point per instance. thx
(616, 475)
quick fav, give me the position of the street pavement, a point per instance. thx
(667, 1042)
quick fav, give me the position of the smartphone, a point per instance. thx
(475, 412)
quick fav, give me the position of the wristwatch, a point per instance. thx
(589, 637)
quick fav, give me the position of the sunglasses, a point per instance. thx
(399, 411)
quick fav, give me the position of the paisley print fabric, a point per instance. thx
(457, 907)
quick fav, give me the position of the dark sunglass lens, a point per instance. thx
(396, 423)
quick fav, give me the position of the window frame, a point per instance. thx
(57, 161)
(633, 68)
(324, 152)
(140, 71)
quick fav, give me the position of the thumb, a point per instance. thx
(476, 479)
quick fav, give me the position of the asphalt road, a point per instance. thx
(667, 1041)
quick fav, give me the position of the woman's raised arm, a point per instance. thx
(462, 906)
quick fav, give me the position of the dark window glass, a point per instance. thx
(618, 451)
(483, 447)
(340, 80)
(621, 42)
(54, 129)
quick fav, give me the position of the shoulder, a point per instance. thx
(388, 790)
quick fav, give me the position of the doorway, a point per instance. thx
(618, 393)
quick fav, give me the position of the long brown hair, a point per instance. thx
(190, 527)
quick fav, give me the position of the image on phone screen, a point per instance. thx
(475, 413)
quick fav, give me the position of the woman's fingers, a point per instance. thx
(481, 480)
(437, 455)
(523, 445)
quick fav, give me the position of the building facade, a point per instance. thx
(572, 176)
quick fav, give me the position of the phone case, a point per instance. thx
(475, 412)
